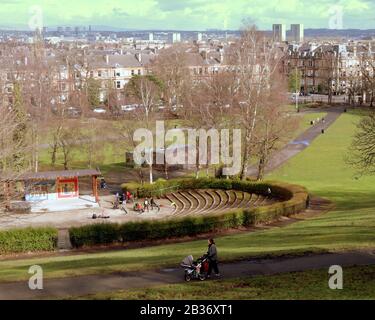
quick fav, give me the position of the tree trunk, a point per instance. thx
(151, 174)
(261, 167)
(246, 155)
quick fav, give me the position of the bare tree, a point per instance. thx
(275, 127)
(211, 104)
(362, 150)
(171, 67)
(256, 61)
(329, 72)
(68, 141)
(146, 90)
(368, 76)
(9, 127)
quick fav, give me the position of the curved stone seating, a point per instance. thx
(195, 202)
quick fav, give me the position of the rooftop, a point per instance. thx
(52, 175)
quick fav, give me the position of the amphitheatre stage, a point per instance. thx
(187, 203)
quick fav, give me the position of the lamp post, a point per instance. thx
(297, 109)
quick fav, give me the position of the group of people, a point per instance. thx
(147, 205)
(313, 122)
(121, 201)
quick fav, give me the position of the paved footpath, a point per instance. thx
(84, 285)
(302, 141)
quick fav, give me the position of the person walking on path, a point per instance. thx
(146, 205)
(154, 205)
(212, 258)
(123, 206)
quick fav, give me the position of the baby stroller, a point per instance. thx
(195, 269)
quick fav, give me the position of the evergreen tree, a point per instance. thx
(93, 92)
(295, 81)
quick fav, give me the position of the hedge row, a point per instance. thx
(294, 200)
(162, 187)
(28, 240)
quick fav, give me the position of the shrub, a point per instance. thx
(28, 240)
(94, 234)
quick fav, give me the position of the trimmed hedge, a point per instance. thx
(28, 240)
(94, 234)
(293, 199)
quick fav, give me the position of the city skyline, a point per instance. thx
(189, 14)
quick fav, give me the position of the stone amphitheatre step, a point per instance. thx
(215, 200)
(232, 197)
(209, 200)
(236, 198)
(193, 203)
(250, 198)
(239, 198)
(189, 203)
(202, 202)
(185, 203)
(242, 197)
(265, 201)
(63, 240)
(257, 202)
(223, 199)
(180, 204)
(171, 199)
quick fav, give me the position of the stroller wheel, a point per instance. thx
(202, 277)
(187, 277)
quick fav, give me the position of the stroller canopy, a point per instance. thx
(188, 261)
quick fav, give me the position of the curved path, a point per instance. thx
(85, 285)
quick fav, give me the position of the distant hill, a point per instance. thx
(352, 33)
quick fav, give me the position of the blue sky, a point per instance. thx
(190, 14)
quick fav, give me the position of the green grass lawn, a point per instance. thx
(358, 283)
(320, 167)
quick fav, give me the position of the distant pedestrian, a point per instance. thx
(103, 184)
(129, 197)
(123, 207)
(154, 205)
(116, 203)
(146, 205)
